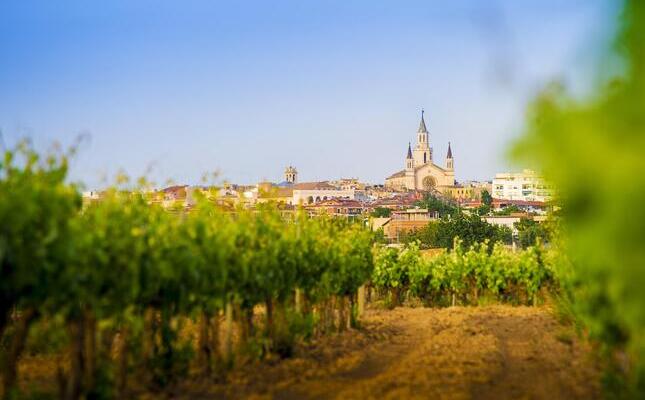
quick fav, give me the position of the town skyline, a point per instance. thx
(202, 88)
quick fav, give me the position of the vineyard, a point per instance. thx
(481, 273)
(125, 289)
(122, 298)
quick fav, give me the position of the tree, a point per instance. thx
(434, 204)
(483, 210)
(530, 232)
(487, 203)
(379, 236)
(470, 229)
(425, 236)
(487, 199)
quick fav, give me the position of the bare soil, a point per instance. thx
(495, 352)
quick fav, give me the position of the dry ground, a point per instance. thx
(496, 352)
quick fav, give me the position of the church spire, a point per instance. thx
(409, 160)
(450, 163)
(422, 124)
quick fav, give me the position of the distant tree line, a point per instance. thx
(470, 229)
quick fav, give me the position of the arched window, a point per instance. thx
(310, 199)
(424, 157)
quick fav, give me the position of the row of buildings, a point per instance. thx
(343, 198)
(349, 197)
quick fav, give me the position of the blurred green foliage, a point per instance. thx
(592, 150)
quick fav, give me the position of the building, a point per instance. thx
(336, 208)
(421, 173)
(509, 221)
(498, 205)
(349, 183)
(291, 175)
(314, 192)
(397, 201)
(403, 221)
(529, 206)
(525, 185)
(467, 191)
(268, 192)
(291, 192)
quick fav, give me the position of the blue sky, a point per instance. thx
(333, 87)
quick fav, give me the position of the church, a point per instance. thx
(420, 172)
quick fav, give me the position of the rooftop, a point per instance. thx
(313, 186)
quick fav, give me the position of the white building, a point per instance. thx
(313, 192)
(507, 221)
(291, 192)
(525, 185)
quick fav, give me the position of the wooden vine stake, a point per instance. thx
(361, 301)
(228, 332)
(298, 300)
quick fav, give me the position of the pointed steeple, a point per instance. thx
(422, 124)
(449, 151)
(409, 151)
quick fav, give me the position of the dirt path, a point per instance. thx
(496, 352)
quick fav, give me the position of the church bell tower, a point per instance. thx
(422, 150)
(291, 175)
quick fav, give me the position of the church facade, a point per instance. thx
(421, 173)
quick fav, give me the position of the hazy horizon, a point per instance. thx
(333, 88)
